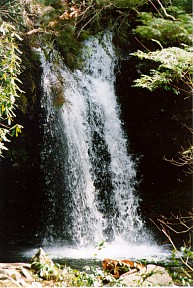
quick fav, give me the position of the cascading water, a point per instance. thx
(90, 178)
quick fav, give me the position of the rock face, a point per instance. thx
(156, 124)
(19, 170)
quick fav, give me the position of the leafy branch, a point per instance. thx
(175, 64)
(9, 87)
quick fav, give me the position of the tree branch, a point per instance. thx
(165, 12)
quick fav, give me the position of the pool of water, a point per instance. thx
(79, 257)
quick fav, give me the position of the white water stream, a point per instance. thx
(90, 177)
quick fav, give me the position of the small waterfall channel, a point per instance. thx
(90, 179)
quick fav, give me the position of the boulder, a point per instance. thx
(151, 275)
(42, 258)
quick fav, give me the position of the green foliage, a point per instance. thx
(56, 4)
(47, 271)
(65, 25)
(166, 31)
(11, 11)
(178, 265)
(181, 268)
(186, 5)
(63, 276)
(58, 30)
(102, 244)
(121, 3)
(175, 64)
(9, 89)
(66, 276)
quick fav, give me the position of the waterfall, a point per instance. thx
(90, 178)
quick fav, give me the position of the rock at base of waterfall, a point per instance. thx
(151, 275)
(42, 258)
